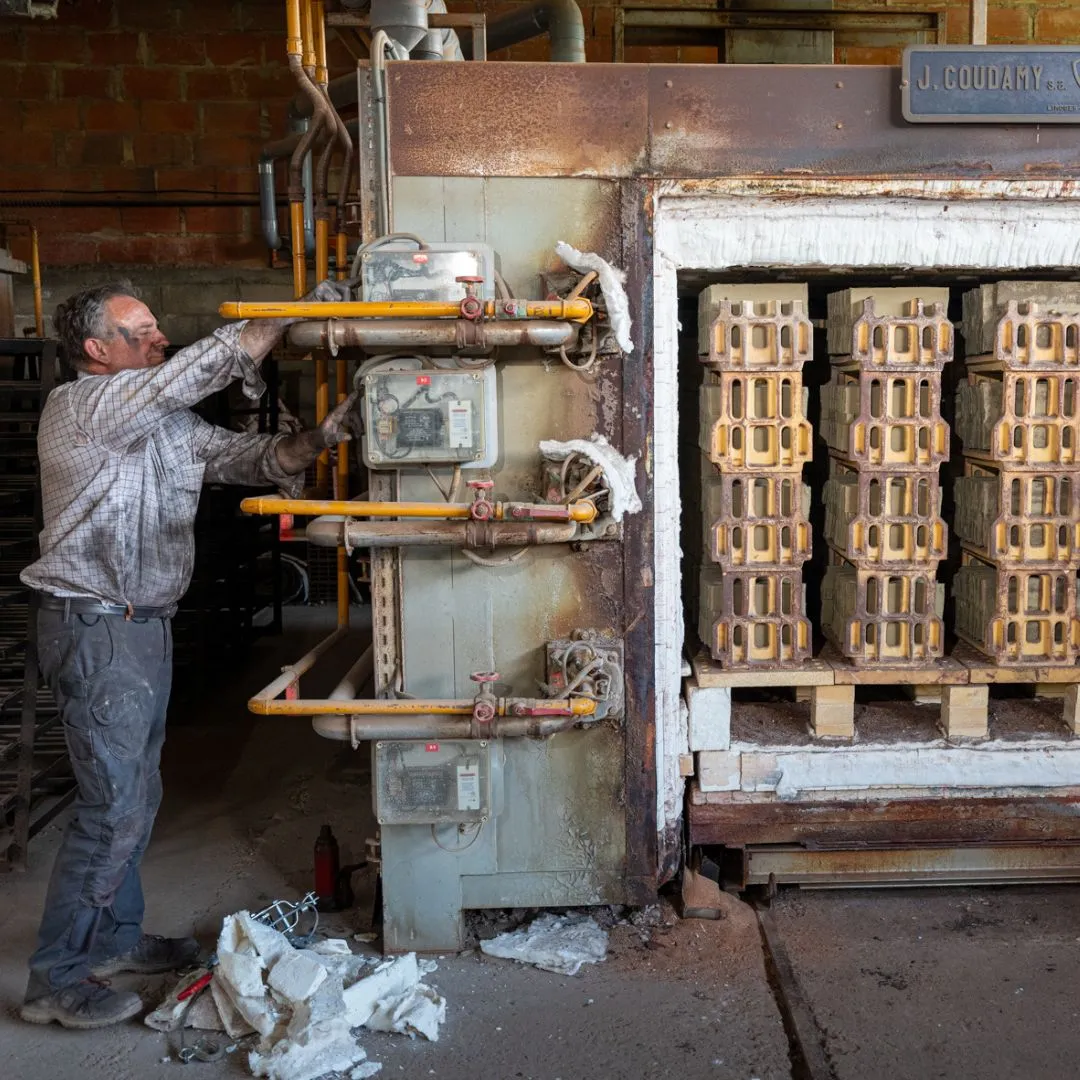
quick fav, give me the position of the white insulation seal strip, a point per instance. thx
(619, 471)
(611, 285)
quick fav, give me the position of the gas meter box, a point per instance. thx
(444, 781)
(401, 271)
(430, 417)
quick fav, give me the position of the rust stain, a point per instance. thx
(627, 120)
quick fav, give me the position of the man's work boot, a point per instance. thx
(87, 1004)
(151, 955)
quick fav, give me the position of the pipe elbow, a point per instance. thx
(326, 531)
(332, 727)
(566, 28)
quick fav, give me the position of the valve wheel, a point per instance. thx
(484, 676)
(471, 308)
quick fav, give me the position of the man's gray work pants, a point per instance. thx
(111, 677)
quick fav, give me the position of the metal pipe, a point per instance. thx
(342, 91)
(35, 270)
(341, 491)
(579, 310)
(583, 511)
(978, 22)
(322, 407)
(408, 334)
(559, 19)
(357, 729)
(356, 678)
(271, 153)
(335, 532)
(292, 672)
(300, 49)
(388, 707)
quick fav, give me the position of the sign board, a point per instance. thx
(956, 84)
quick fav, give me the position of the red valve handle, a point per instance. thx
(481, 485)
(470, 279)
(484, 676)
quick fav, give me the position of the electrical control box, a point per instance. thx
(430, 416)
(400, 271)
(444, 781)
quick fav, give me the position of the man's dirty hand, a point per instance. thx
(329, 292)
(342, 424)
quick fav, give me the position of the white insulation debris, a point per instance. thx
(559, 943)
(304, 1003)
(611, 285)
(619, 471)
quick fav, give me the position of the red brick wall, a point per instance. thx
(172, 101)
(161, 101)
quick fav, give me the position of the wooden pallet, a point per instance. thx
(1049, 680)
(963, 715)
(960, 683)
(809, 673)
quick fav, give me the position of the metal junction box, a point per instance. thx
(430, 417)
(447, 781)
(401, 271)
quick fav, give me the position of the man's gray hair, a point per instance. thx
(83, 316)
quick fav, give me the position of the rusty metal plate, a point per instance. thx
(820, 825)
(693, 121)
(512, 119)
(768, 119)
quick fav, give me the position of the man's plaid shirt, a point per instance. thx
(122, 461)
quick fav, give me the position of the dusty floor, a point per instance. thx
(948, 983)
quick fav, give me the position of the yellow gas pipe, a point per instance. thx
(294, 48)
(578, 311)
(342, 492)
(398, 707)
(583, 511)
(35, 270)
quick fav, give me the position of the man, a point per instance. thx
(122, 461)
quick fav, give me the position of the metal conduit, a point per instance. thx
(357, 729)
(337, 531)
(412, 333)
(559, 19)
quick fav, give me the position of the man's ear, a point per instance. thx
(95, 349)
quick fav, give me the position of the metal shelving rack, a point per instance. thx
(36, 781)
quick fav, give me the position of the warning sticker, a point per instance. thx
(468, 787)
(460, 424)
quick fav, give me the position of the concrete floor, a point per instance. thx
(930, 983)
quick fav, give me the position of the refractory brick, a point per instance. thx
(986, 306)
(860, 321)
(745, 300)
(748, 618)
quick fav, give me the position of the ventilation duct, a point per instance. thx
(559, 19)
(405, 21)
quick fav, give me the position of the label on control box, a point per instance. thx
(460, 424)
(468, 787)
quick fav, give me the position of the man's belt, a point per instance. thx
(78, 605)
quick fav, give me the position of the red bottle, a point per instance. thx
(327, 870)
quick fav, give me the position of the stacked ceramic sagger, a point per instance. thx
(1018, 503)
(881, 418)
(755, 439)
